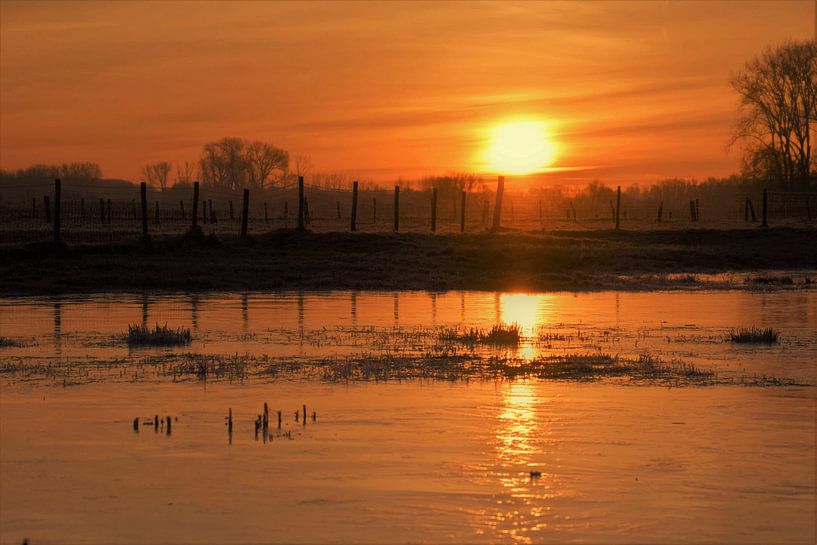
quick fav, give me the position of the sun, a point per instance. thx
(519, 147)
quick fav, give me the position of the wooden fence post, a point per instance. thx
(101, 211)
(337, 205)
(618, 205)
(245, 213)
(660, 211)
(109, 211)
(765, 207)
(396, 208)
(57, 197)
(143, 196)
(500, 190)
(354, 206)
(204, 211)
(462, 211)
(301, 203)
(195, 209)
(433, 209)
(697, 210)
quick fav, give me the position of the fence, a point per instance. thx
(66, 212)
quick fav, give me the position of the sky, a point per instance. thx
(625, 93)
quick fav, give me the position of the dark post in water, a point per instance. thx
(618, 205)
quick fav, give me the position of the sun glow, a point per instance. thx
(519, 147)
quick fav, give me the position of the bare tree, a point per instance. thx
(778, 98)
(301, 164)
(156, 174)
(185, 173)
(262, 160)
(79, 171)
(224, 164)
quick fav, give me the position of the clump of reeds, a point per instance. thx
(158, 336)
(753, 335)
(5, 342)
(499, 334)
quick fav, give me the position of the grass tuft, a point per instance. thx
(5, 342)
(158, 336)
(499, 335)
(754, 335)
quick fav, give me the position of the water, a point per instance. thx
(410, 461)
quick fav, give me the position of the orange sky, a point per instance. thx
(631, 91)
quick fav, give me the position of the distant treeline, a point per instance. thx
(718, 196)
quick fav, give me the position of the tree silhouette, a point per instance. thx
(778, 97)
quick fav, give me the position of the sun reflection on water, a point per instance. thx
(521, 434)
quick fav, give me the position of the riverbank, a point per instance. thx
(289, 259)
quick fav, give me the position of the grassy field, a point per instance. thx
(288, 259)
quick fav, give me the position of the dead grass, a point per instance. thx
(754, 335)
(158, 336)
(498, 335)
(6, 342)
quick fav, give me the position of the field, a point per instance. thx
(289, 259)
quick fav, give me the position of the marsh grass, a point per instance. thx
(158, 336)
(498, 335)
(436, 364)
(753, 335)
(5, 342)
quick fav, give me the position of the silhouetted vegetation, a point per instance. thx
(754, 335)
(778, 92)
(499, 335)
(6, 342)
(158, 336)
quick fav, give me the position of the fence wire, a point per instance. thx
(92, 216)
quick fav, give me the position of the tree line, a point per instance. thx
(775, 129)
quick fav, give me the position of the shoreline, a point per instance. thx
(286, 259)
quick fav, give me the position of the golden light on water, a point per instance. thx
(522, 309)
(519, 147)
